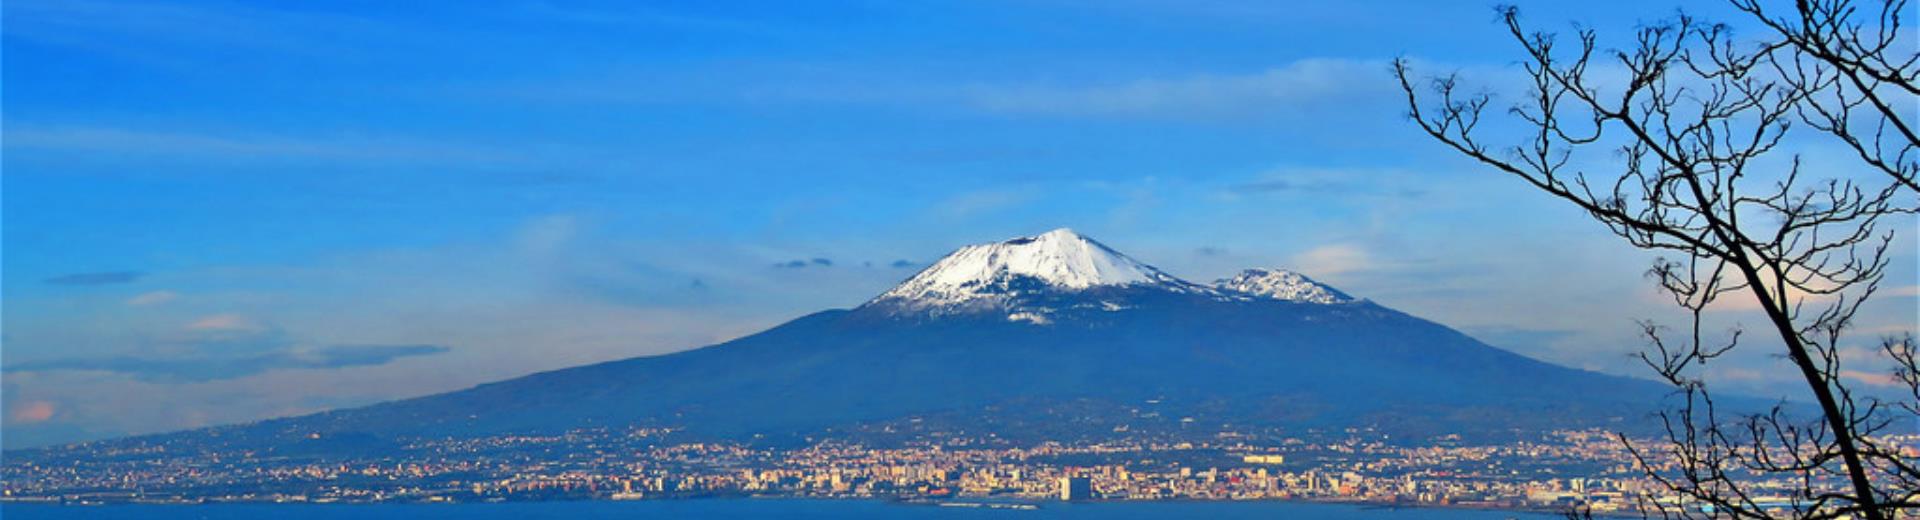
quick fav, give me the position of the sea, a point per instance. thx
(741, 508)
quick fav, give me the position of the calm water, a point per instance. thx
(757, 508)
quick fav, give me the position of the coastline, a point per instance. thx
(1010, 504)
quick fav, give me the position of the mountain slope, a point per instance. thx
(1051, 336)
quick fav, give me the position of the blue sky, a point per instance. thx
(218, 212)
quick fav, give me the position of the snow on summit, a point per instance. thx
(1281, 284)
(1024, 276)
(1058, 259)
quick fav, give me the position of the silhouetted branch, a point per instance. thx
(1689, 125)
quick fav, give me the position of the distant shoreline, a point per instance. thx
(983, 502)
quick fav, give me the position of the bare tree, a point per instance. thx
(1857, 72)
(1678, 145)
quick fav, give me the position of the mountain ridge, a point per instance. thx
(1000, 341)
(1282, 284)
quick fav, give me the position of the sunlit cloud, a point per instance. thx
(31, 412)
(1876, 379)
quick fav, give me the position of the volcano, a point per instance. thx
(1054, 336)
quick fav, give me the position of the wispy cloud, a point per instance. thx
(1745, 301)
(641, 16)
(973, 203)
(221, 322)
(178, 369)
(1333, 260)
(224, 346)
(165, 143)
(1305, 86)
(96, 278)
(798, 264)
(1879, 379)
(156, 32)
(1300, 85)
(49, 20)
(152, 298)
(547, 235)
(1334, 182)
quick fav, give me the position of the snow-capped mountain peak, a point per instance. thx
(1040, 278)
(1281, 284)
(1058, 260)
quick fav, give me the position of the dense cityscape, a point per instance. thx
(1588, 469)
